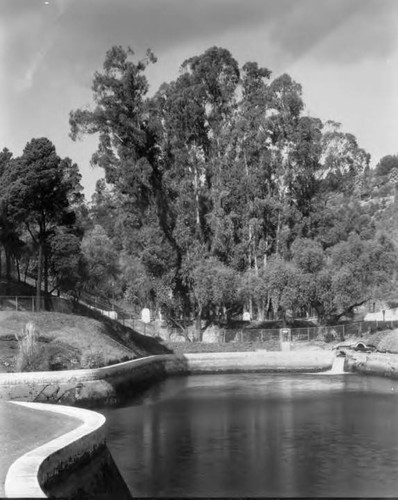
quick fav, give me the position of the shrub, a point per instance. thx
(92, 359)
(31, 355)
(328, 336)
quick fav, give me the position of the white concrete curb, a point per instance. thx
(37, 466)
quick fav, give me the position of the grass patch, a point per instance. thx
(69, 341)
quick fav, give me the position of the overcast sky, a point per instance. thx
(343, 52)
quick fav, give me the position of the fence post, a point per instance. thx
(308, 334)
(33, 304)
(344, 331)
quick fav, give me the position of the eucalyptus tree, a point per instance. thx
(343, 162)
(219, 172)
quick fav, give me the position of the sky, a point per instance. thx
(344, 53)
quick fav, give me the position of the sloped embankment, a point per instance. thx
(70, 341)
(385, 341)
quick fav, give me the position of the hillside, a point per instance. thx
(70, 341)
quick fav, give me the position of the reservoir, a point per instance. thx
(278, 435)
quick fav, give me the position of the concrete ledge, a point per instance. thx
(47, 464)
(260, 361)
(111, 384)
(29, 474)
(379, 364)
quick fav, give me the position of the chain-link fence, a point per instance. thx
(29, 303)
(335, 332)
(96, 306)
(86, 307)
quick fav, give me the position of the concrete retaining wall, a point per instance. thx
(38, 472)
(380, 364)
(91, 388)
(260, 361)
(48, 470)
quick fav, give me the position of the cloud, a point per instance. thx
(29, 29)
(333, 30)
(336, 31)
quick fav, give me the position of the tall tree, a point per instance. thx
(36, 190)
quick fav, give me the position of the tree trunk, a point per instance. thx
(8, 264)
(45, 270)
(284, 322)
(278, 229)
(39, 276)
(18, 269)
(26, 270)
(198, 326)
(261, 310)
(45, 278)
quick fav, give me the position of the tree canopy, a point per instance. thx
(220, 194)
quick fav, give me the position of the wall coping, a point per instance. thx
(84, 375)
(22, 478)
(77, 375)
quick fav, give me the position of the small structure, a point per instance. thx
(285, 338)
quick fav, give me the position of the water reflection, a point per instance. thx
(259, 435)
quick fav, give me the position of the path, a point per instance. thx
(23, 429)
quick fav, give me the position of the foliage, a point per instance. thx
(39, 190)
(224, 193)
(31, 356)
(101, 262)
(221, 194)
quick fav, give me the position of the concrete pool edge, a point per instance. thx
(377, 364)
(104, 384)
(107, 385)
(31, 472)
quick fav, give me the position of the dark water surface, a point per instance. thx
(259, 435)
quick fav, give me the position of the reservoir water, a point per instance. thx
(259, 435)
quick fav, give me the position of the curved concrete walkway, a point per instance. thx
(23, 429)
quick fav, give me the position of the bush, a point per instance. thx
(31, 356)
(329, 337)
(92, 359)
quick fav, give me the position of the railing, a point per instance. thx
(64, 305)
(68, 306)
(336, 332)
(29, 303)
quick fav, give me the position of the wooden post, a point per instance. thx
(16, 303)
(308, 333)
(33, 304)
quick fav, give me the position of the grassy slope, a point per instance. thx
(72, 341)
(386, 340)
